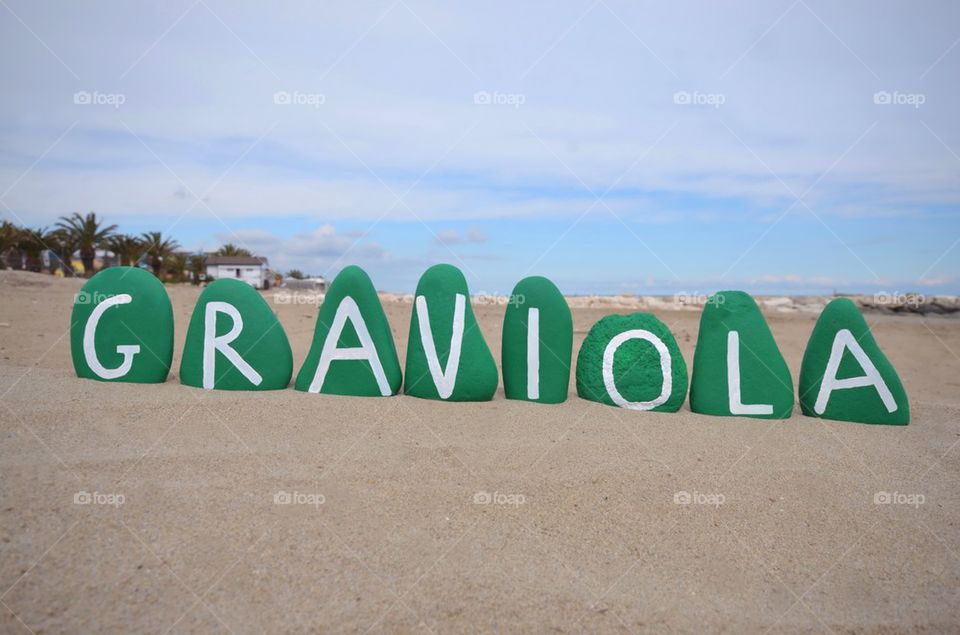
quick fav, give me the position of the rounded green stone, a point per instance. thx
(861, 404)
(537, 296)
(477, 376)
(637, 371)
(145, 321)
(352, 376)
(764, 375)
(262, 343)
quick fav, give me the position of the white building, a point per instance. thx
(251, 269)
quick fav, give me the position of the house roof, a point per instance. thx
(236, 260)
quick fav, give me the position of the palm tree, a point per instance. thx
(126, 248)
(232, 250)
(156, 248)
(32, 243)
(196, 268)
(88, 234)
(176, 266)
(63, 244)
(9, 238)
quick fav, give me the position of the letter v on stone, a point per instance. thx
(447, 357)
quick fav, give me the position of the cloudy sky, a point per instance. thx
(775, 146)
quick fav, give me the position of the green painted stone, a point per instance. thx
(867, 388)
(537, 327)
(362, 360)
(433, 369)
(130, 338)
(733, 333)
(617, 367)
(260, 352)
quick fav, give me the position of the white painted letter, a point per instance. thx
(348, 310)
(533, 354)
(845, 339)
(444, 379)
(89, 341)
(737, 407)
(212, 343)
(665, 368)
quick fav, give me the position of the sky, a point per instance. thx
(777, 146)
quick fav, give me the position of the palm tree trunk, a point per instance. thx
(66, 263)
(87, 256)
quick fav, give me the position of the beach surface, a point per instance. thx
(163, 508)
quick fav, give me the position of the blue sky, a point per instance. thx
(789, 146)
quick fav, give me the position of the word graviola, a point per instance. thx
(122, 330)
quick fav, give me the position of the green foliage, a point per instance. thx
(232, 250)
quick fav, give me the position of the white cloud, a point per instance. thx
(473, 235)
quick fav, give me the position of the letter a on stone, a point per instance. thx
(447, 357)
(737, 367)
(632, 361)
(353, 352)
(235, 342)
(121, 328)
(845, 376)
(537, 342)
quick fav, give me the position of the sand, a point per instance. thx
(388, 530)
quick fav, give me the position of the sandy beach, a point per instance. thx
(164, 508)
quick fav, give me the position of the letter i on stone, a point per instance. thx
(121, 328)
(235, 342)
(737, 367)
(845, 376)
(447, 357)
(537, 342)
(353, 352)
